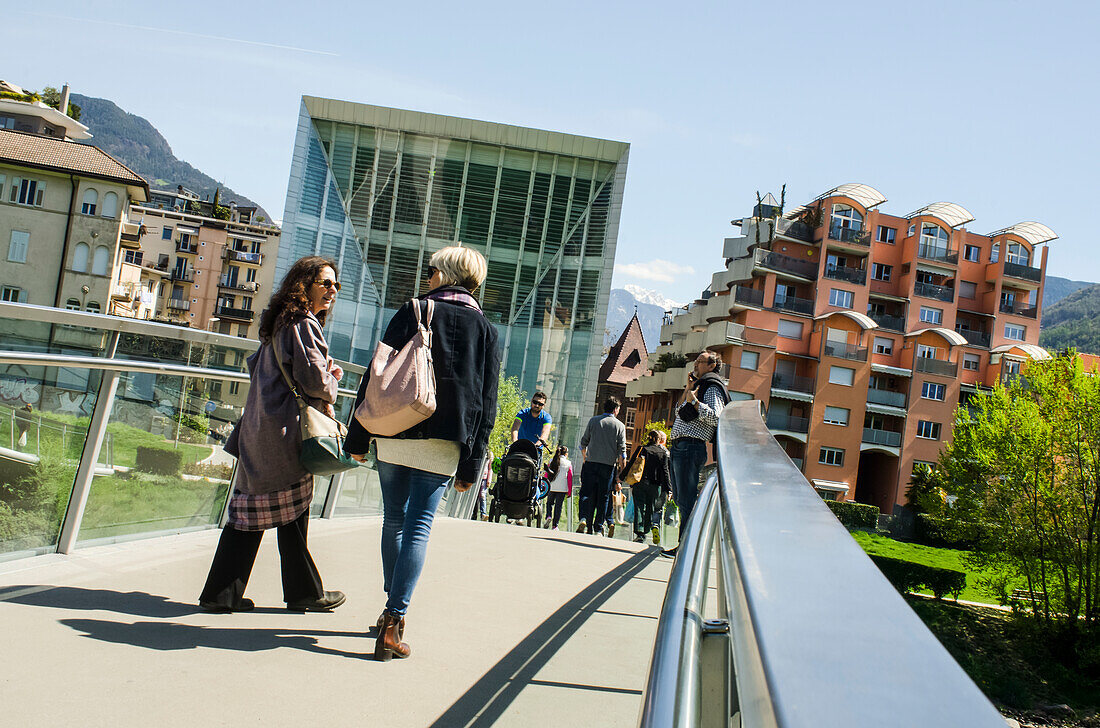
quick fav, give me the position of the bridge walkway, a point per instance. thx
(509, 626)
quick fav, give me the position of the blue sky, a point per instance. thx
(991, 105)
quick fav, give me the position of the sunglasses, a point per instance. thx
(432, 270)
(328, 283)
(537, 403)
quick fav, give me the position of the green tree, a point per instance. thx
(510, 400)
(1025, 466)
(660, 425)
(52, 97)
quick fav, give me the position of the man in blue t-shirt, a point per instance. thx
(533, 423)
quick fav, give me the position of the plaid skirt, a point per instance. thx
(270, 510)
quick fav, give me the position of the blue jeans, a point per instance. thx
(409, 500)
(687, 458)
(595, 493)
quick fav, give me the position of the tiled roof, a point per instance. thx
(617, 367)
(58, 155)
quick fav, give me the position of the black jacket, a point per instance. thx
(656, 466)
(466, 359)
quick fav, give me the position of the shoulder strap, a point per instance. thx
(275, 353)
(430, 306)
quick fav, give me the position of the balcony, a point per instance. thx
(130, 235)
(179, 304)
(748, 296)
(189, 247)
(787, 264)
(1019, 309)
(886, 321)
(844, 273)
(842, 350)
(938, 255)
(241, 256)
(1026, 272)
(795, 230)
(186, 275)
(935, 366)
(977, 338)
(850, 235)
(238, 314)
(881, 437)
(790, 423)
(938, 293)
(792, 383)
(793, 304)
(886, 398)
(251, 286)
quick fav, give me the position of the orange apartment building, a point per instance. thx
(861, 331)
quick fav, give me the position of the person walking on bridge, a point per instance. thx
(603, 447)
(414, 466)
(654, 479)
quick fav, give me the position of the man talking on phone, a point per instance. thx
(695, 425)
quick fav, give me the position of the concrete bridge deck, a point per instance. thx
(509, 626)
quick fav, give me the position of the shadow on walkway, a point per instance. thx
(138, 604)
(488, 699)
(586, 545)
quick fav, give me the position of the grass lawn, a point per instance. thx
(929, 556)
(146, 502)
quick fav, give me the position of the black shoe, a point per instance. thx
(670, 553)
(331, 600)
(639, 539)
(246, 605)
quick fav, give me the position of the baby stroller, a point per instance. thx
(521, 485)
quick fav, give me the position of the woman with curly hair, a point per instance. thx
(272, 489)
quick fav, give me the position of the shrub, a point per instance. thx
(908, 576)
(194, 427)
(219, 471)
(158, 460)
(854, 515)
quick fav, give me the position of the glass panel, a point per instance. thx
(360, 492)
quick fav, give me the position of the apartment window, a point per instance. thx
(80, 258)
(927, 352)
(844, 216)
(216, 389)
(12, 294)
(17, 247)
(250, 275)
(133, 256)
(89, 204)
(972, 253)
(931, 315)
(93, 307)
(1014, 332)
(919, 465)
(790, 329)
(1011, 367)
(27, 191)
(884, 345)
(931, 390)
(166, 233)
(1008, 299)
(881, 272)
(242, 331)
(840, 297)
(110, 205)
(831, 456)
(912, 229)
(1018, 254)
(100, 260)
(749, 359)
(886, 234)
(995, 253)
(234, 387)
(928, 430)
(971, 362)
(72, 305)
(841, 375)
(967, 289)
(933, 239)
(836, 416)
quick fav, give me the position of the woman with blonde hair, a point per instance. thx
(415, 466)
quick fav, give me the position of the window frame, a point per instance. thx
(25, 242)
(830, 456)
(789, 323)
(932, 430)
(977, 253)
(881, 272)
(937, 314)
(888, 350)
(838, 368)
(890, 238)
(935, 388)
(1022, 329)
(976, 359)
(833, 293)
(755, 356)
(836, 421)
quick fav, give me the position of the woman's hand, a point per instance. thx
(462, 485)
(359, 458)
(335, 370)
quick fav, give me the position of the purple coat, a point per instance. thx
(266, 440)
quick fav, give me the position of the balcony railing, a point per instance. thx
(886, 397)
(792, 382)
(882, 437)
(929, 290)
(1020, 309)
(240, 256)
(939, 255)
(790, 423)
(886, 321)
(183, 274)
(748, 296)
(795, 229)
(179, 304)
(793, 304)
(842, 350)
(252, 286)
(787, 264)
(844, 273)
(978, 338)
(935, 366)
(241, 314)
(1016, 270)
(189, 247)
(849, 235)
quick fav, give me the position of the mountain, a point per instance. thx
(138, 145)
(1073, 322)
(651, 312)
(1055, 289)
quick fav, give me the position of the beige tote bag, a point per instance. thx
(401, 389)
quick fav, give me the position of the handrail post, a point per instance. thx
(332, 495)
(93, 441)
(715, 679)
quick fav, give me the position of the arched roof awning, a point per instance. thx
(862, 319)
(952, 214)
(865, 195)
(1037, 353)
(952, 337)
(1035, 233)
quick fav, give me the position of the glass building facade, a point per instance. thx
(379, 190)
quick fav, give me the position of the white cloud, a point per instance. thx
(655, 270)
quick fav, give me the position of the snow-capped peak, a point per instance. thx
(645, 295)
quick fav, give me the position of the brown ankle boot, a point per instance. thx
(389, 644)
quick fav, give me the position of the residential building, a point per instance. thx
(625, 362)
(861, 331)
(380, 190)
(34, 117)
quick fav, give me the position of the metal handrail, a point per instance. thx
(810, 632)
